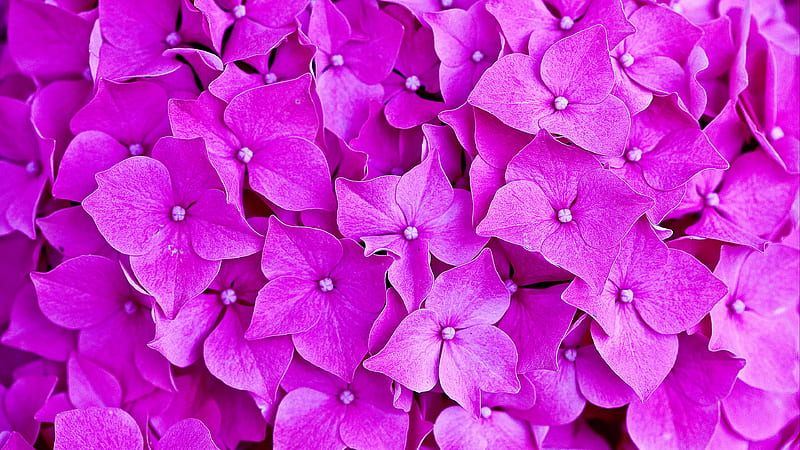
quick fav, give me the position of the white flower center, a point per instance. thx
(712, 199)
(626, 296)
(564, 215)
(737, 306)
(346, 397)
(634, 154)
(477, 56)
(178, 213)
(244, 155)
(337, 60)
(486, 412)
(570, 354)
(413, 83)
(448, 333)
(560, 103)
(130, 307)
(228, 297)
(270, 78)
(136, 150)
(239, 11)
(447, 3)
(33, 168)
(410, 233)
(511, 286)
(173, 39)
(776, 133)
(326, 285)
(566, 23)
(626, 60)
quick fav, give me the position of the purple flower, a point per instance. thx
(560, 202)
(452, 339)
(169, 214)
(411, 216)
(567, 93)
(267, 134)
(323, 291)
(322, 410)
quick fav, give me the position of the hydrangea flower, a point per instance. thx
(169, 213)
(452, 339)
(563, 93)
(546, 208)
(278, 154)
(323, 292)
(411, 216)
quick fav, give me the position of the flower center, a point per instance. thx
(270, 78)
(511, 286)
(239, 11)
(173, 39)
(560, 103)
(564, 215)
(712, 199)
(346, 397)
(244, 155)
(410, 233)
(737, 306)
(477, 56)
(337, 60)
(776, 133)
(33, 168)
(634, 154)
(136, 150)
(626, 296)
(486, 412)
(326, 284)
(570, 354)
(566, 23)
(413, 83)
(130, 307)
(626, 59)
(447, 3)
(178, 213)
(228, 297)
(87, 74)
(448, 333)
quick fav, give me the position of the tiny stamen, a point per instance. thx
(173, 39)
(634, 154)
(737, 306)
(130, 307)
(626, 60)
(239, 11)
(560, 103)
(270, 78)
(346, 397)
(244, 155)
(570, 354)
(564, 215)
(413, 83)
(511, 286)
(337, 60)
(776, 133)
(712, 199)
(448, 333)
(477, 56)
(228, 297)
(33, 167)
(136, 149)
(566, 23)
(626, 296)
(326, 285)
(486, 412)
(410, 233)
(178, 213)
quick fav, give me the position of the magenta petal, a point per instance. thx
(598, 383)
(412, 354)
(411, 274)
(368, 208)
(172, 272)
(537, 320)
(72, 232)
(88, 153)
(479, 358)
(558, 400)
(601, 128)
(217, 229)
(486, 302)
(520, 213)
(132, 205)
(299, 251)
(91, 385)
(187, 433)
(453, 239)
(95, 286)
(181, 339)
(640, 356)
(371, 421)
(589, 81)
(308, 419)
(255, 366)
(23, 399)
(757, 414)
(456, 429)
(97, 428)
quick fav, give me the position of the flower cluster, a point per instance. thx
(400, 224)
